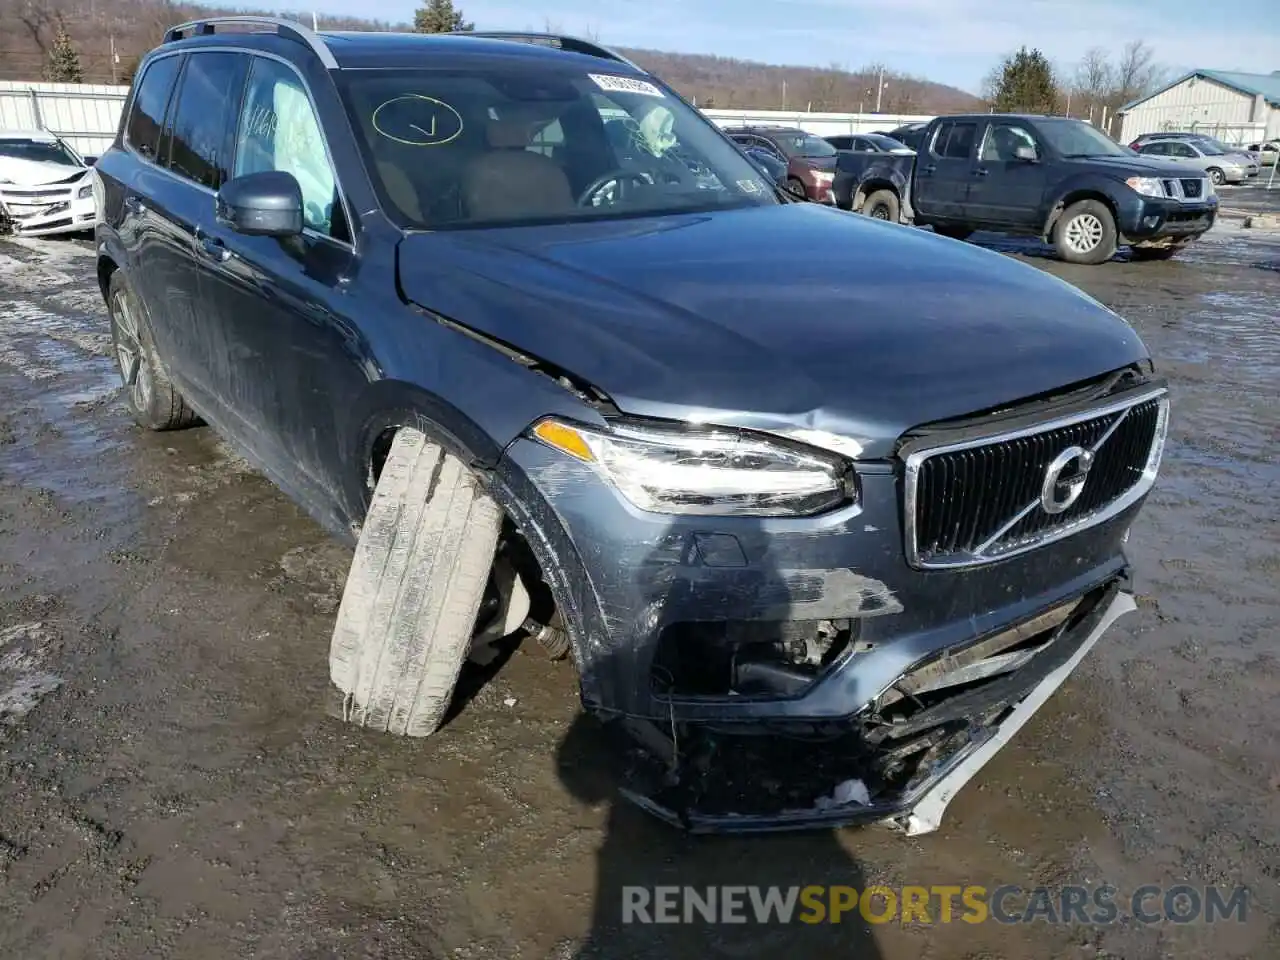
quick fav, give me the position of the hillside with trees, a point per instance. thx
(43, 38)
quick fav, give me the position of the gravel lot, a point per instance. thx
(171, 784)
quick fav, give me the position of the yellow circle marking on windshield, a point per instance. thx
(427, 122)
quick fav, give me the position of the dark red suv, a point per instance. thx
(810, 160)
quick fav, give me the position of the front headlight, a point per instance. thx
(1147, 186)
(85, 192)
(713, 472)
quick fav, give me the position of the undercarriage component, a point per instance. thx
(900, 759)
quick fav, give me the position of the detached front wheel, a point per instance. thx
(409, 609)
(1085, 233)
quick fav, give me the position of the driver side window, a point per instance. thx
(279, 130)
(1003, 141)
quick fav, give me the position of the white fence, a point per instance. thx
(86, 115)
(821, 124)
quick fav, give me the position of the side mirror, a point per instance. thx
(89, 161)
(1025, 153)
(267, 204)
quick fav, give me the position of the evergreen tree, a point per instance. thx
(439, 16)
(1024, 84)
(64, 60)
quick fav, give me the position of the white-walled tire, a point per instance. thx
(409, 608)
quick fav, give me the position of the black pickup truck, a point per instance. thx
(1049, 177)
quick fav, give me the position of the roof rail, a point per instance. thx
(284, 28)
(559, 41)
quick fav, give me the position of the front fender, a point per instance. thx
(492, 401)
(1122, 201)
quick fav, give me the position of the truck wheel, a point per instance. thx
(1085, 233)
(1217, 176)
(153, 400)
(954, 232)
(409, 609)
(796, 186)
(882, 205)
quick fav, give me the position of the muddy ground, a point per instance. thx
(172, 786)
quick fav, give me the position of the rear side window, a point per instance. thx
(955, 140)
(207, 98)
(146, 116)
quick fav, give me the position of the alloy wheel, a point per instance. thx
(1083, 233)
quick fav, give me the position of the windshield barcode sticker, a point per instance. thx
(625, 85)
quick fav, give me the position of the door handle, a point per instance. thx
(211, 247)
(931, 168)
(981, 172)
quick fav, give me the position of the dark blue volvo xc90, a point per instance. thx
(504, 312)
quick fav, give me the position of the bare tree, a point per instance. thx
(823, 91)
(1137, 73)
(1094, 83)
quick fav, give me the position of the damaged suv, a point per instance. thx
(511, 318)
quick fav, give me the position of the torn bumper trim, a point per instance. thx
(921, 809)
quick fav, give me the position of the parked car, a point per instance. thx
(1220, 166)
(697, 434)
(909, 134)
(810, 160)
(46, 187)
(1239, 155)
(869, 143)
(1265, 152)
(1052, 177)
(770, 164)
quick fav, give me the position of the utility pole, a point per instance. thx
(879, 88)
(784, 94)
(315, 25)
(115, 62)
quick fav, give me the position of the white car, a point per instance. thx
(45, 186)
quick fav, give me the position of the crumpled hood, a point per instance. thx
(37, 173)
(792, 317)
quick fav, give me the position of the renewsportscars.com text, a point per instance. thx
(1149, 904)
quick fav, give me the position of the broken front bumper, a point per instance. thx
(47, 210)
(1006, 704)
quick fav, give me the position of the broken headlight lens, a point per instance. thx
(719, 472)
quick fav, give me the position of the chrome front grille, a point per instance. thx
(981, 500)
(1186, 189)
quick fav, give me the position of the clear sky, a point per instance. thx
(952, 41)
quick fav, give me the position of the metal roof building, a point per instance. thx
(1234, 107)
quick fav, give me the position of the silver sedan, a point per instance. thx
(1221, 167)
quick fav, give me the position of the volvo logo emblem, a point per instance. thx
(1064, 479)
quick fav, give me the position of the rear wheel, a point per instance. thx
(409, 609)
(153, 400)
(1085, 233)
(882, 205)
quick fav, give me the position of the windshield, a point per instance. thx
(513, 145)
(38, 151)
(1075, 138)
(804, 145)
(1211, 148)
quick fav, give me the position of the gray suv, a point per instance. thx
(615, 393)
